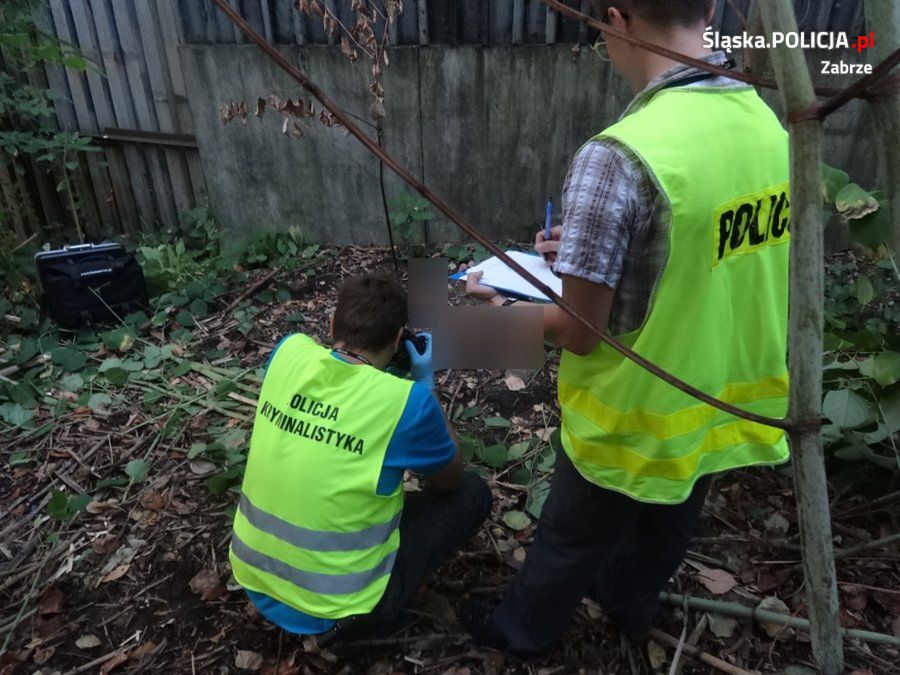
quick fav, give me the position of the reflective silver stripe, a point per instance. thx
(317, 540)
(315, 582)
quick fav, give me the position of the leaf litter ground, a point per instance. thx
(137, 578)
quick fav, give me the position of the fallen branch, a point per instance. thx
(737, 611)
(251, 290)
(855, 550)
(697, 653)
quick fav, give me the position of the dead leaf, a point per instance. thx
(544, 434)
(514, 383)
(99, 507)
(42, 655)
(116, 660)
(105, 544)
(776, 523)
(87, 642)
(716, 581)
(153, 501)
(773, 604)
(722, 626)
(376, 110)
(116, 573)
(206, 584)
(139, 652)
(247, 660)
(657, 655)
(857, 600)
(51, 601)
(201, 467)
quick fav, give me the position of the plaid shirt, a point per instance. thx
(615, 224)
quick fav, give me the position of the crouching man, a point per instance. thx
(324, 541)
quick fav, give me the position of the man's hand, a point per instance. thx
(420, 364)
(548, 247)
(476, 289)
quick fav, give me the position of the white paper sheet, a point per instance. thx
(498, 275)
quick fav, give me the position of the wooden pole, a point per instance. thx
(805, 328)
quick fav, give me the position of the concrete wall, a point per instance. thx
(489, 129)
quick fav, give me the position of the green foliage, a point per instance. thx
(409, 214)
(64, 507)
(33, 130)
(137, 470)
(862, 362)
(862, 211)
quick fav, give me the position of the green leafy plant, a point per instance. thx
(409, 214)
(65, 507)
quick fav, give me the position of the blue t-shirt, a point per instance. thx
(420, 443)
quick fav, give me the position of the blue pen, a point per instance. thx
(549, 219)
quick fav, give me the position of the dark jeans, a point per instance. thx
(434, 525)
(593, 539)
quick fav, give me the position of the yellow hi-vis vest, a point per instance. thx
(310, 529)
(717, 318)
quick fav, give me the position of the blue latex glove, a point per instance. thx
(420, 364)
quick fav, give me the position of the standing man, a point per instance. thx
(324, 542)
(675, 239)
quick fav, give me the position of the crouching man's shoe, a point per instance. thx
(477, 617)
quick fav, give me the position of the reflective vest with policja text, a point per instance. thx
(310, 529)
(717, 317)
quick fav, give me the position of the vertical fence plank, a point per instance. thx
(123, 112)
(145, 113)
(106, 217)
(86, 32)
(718, 15)
(163, 101)
(422, 14)
(266, 11)
(518, 22)
(550, 27)
(12, 204)
(329, 4)
(298, 19)
(65, 114)
(485, 10)
(184, 122)
(585, 8)
(501, 23)
(823, 15)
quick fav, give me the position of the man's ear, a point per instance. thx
(617, 19)
(397, 339)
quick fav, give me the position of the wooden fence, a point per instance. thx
(133, 100)
(487, 22)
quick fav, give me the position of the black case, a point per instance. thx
(73, 277)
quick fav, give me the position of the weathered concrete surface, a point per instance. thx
(326, 182)
(490, 129)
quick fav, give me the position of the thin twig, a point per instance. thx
(697, 653)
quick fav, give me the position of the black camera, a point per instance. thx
(401, 358)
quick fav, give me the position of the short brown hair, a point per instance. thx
(660, 12)
(371, 308)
